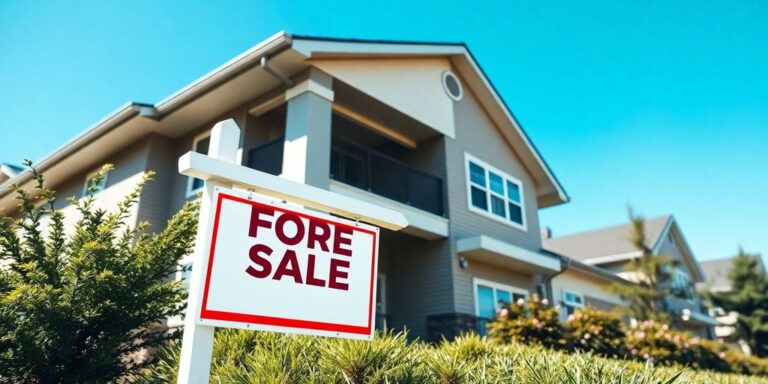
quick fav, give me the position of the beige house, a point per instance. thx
(609, 249)
(416, 127)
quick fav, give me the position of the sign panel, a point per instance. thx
(277, 267)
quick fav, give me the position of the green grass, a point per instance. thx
(255, 357)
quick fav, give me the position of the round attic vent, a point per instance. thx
(452, 86)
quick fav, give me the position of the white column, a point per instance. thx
(307, 151)
(197, 343)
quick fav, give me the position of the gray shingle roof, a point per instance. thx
(604, 241)
(716, 272)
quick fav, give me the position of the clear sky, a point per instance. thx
(660, 104)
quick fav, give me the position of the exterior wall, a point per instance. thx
(593, 289)
(477, 135)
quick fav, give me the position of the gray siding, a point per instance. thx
(477, 135)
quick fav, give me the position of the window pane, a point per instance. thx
(497, 206)
(202, 145)
(197, 184)
(479, 198)
(518, 296)
(497, 183)
(485, 304)
(515, 213)
(476, 174)
(502, 297)
(513, 191)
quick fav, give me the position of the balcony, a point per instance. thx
(367, 169)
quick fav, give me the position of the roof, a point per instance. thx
(245, 77)
(609, 241)
(716, 272)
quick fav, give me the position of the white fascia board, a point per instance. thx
(207, 168)
(420, 223)
(489, 244)
(308, 47)
(612, 258)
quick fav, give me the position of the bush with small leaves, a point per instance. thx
(596, 331)
(76, 306)
(530, 322)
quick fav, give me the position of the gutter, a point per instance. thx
(210, 81)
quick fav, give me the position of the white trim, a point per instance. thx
(445, 76)
(485, 247)
(488, 192)
(219, 171)
(612, 258)
(382, 289)
(200, 136)
(87, 181)
(309, 85)
(476, 281)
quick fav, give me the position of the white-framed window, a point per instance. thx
(491, 296)
(99, 188)
(572, 301)
(494, 194)
(200, 144)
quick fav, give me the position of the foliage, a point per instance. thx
(529, 322)
(749, 298)
(597, 331)
(79, 306)
(652, 277)
(250, 357)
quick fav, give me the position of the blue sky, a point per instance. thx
(663, 105)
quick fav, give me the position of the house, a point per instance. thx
(416, 127)
(610, 249)
(717, 280)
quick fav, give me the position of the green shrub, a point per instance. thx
(529, 322)
(254, 357)
(597, 331)
(81, 307)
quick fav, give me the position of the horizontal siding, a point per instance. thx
(464, 282)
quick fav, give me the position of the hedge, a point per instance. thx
(257, 357)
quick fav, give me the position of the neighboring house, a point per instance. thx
(717, 280)
(8, 171)
(610, 249)
(416, 127)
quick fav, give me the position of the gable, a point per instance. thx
(410, 85)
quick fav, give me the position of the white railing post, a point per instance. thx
(197, 343)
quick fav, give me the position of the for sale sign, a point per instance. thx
(277, 267)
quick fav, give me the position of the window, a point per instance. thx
(199, 145)
(571, 301)
(381, 294)
(681, 284)
(98, 188)
(452, 86)
(494, 194)
(490, 297)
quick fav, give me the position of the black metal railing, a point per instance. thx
(267, 157)
(366, 169)
(375, 172)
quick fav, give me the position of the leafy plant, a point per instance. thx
(528, 322)
(597, 331)
(80, 307)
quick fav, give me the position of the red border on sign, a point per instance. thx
(210, 314)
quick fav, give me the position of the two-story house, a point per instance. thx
(417, 127)
(610, 249)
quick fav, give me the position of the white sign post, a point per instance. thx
(267, 265)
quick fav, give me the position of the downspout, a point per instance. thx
(565, 263)
(268, 69)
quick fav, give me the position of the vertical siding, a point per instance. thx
(477, 135)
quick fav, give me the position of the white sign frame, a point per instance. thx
(210, 316)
